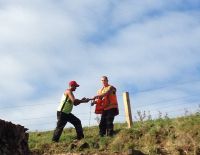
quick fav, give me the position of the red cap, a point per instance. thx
(73, 83)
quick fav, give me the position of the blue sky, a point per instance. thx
(147, 48)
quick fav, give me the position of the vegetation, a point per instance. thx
(180, 136)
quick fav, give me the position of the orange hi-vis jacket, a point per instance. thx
(99, 106)
(107, 102)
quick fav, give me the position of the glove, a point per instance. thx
(85, 99)
(92, 103)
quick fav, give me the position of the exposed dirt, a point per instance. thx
(13, 139)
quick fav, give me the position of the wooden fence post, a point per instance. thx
(127, 109)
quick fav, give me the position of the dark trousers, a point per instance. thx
(62, 121)
(106, 123)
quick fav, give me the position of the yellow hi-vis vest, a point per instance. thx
(110, 100)
(66, 105)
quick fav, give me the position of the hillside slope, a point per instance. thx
(163, 136)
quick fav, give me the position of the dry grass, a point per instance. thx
(164, 136)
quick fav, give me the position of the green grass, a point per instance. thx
(161, 136)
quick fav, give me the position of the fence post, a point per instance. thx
(127, 109)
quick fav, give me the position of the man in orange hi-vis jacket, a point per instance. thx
(108, 108)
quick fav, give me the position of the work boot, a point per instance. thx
(79, 137)
(55, 140)
(110, 132)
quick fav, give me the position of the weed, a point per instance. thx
(160, 136)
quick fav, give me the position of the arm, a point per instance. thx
(109, 91)
(83, 100)
(74, 100)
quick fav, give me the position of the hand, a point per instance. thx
(85, 99)
(95, 97)
(92, 103)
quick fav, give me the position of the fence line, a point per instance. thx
(152, 113)
(166, 86)
(153, 103)
(121, 115)
(135, 109)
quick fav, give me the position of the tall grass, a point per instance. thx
(162, 136)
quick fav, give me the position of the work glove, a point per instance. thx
(85, 99)
(92, 103)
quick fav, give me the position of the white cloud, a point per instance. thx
(139, 45)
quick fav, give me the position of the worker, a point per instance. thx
(107, 105)
(64, 114)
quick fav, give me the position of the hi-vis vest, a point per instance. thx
(66, 105)
(99, 106)
(108, 102)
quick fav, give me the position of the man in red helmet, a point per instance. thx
(64, 114)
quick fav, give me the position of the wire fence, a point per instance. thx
(174, 107)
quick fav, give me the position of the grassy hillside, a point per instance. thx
(162, 136)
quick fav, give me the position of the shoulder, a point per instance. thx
(67, 92)
(113, 88)
(99, 91)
